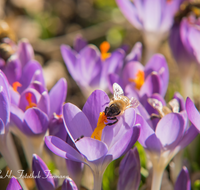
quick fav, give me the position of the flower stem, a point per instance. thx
(157, 178)
(97, 180)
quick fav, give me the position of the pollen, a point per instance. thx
(104, 47)
(100, 126)
(29, 100)
(15, 85)
(138, 80)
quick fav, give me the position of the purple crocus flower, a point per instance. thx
(97, 154)
(89, 67)
(190, 35)
(183, 180)
(7, 147)
(153, 17)
(14, 184)
(183, 36)
(163, 141)
(141, 82)
(129, 171)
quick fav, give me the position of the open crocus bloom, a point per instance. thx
(141, 82)
(89, 67)
(115, 139)
(152, 15)
(164, 140)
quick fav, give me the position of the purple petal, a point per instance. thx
(23, 102)
(76, 122)
(130, 12)
(15, 96)
(2, 127)
(113, 64)
(151, 85)
(180, 100)
(13, 69)
(43, 103)
(135, 54)
(188, 137)
(147, 138)
(46, 179)
(61, 148)
(79, 43)
(89, 64)
(4, 106)
(193, 113)
(91, 149)
(36, 121)
(69, 57)
(68, 184)
(158, 63)
(124, 143)
(114, 78)
(14, 184)
(4, 83)
(28, 73)
(25, 52)
(129, 171)
(57, 96)
(170, 130)
(111, 135)
(17, 117)
(98, 100)
(183, 180)
(130, 71)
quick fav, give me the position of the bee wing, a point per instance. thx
(134, 102)
(156, 104)
(117, 91)
(174, 105)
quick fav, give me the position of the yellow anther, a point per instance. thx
(138, 80)
(100, 126)
(104, 47)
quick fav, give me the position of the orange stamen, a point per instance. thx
(100, 126)
(15, 85)
(29, 100)
(138, 80)
(57, 116)
(104, 47)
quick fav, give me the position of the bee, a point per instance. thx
(187, 8)
(118, 104)
(7, 38)
(171, 107)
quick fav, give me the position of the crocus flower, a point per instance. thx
(7, 147)
(90, 67)
(153, 17)
(163, 141)
(141, 82)
(14, 184)
(183, 180)
(190, 35)
(57, 128)
(114, 140)
(183, 53)
(129, 171)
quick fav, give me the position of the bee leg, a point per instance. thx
(153, 116)
(111, 118)
(79, 138)
(114, 118)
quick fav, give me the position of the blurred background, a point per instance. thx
(49, 23)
